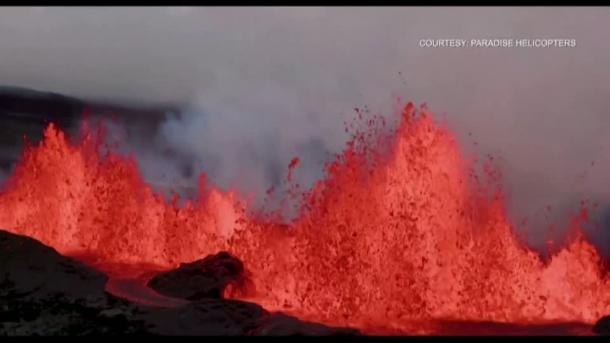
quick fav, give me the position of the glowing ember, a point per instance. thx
(397, 235)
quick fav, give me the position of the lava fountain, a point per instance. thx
(399, 234)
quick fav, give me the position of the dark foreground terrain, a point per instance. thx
(45, 293)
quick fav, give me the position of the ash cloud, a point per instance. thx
(265, 84)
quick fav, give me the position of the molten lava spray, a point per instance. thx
(397, 235)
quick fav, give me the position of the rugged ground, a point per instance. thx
(45, 293)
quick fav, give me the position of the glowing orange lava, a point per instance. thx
(396, 236)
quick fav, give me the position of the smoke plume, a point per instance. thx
(260, 86)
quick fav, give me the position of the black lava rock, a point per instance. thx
(602, 327)
(38, 271)
(43, 293)
(203, 279)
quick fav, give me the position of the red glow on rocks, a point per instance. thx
(396, 237)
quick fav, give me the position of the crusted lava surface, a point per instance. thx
(602, 326)
(45, 293)
(210, 277)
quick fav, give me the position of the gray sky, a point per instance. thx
(265, 84)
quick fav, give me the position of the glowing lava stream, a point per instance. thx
(397, 235)
(130, 282)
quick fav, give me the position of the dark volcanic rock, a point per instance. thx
(37, 271)
(201, 279)
(45, 293)
(279, 324)
(602, 327)
(219, 317)
(203, 282)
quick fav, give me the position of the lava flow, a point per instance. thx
(396, 236)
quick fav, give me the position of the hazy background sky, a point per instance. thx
(265, 84)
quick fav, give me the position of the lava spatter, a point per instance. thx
(396, 236)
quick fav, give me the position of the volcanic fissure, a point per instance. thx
(396, 236)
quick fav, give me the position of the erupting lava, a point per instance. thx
(396, 236)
